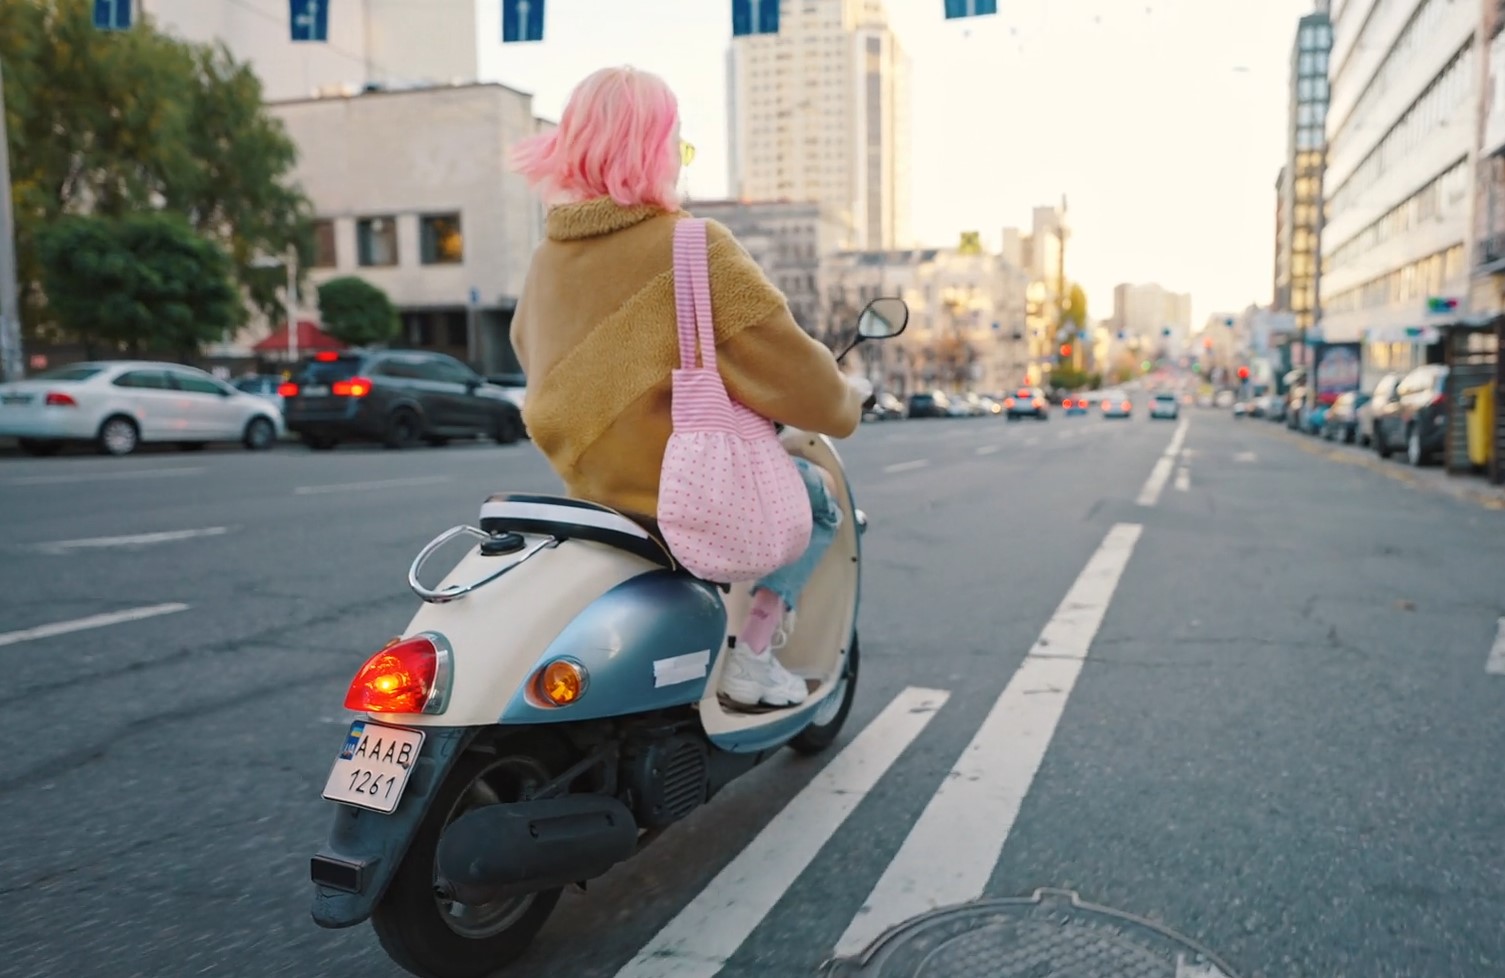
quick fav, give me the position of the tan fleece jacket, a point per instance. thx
(595, 331)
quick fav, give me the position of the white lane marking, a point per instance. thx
(1177, 440)
(952, 849)
(989, 449)
(1496, 664)
(1150, 494)
(422, 480)
(133, 540)
(54, 480)
(1183, 479)
(918, 463)
(93, 621)
(1031, 441)
(701, 938)
(1246, 457)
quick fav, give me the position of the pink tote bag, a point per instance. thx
(732, 506)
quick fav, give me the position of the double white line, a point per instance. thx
(1155, 484)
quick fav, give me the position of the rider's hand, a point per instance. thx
(864, 387)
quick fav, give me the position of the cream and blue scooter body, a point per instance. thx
(558, 794)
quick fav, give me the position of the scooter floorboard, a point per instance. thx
(811, 685)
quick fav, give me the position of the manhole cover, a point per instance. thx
(1051, 934)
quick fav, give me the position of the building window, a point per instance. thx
(376, 241)
(441, 240)
(325, 255)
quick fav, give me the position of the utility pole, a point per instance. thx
(11, 364)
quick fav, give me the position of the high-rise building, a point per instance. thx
(1146, 312)
(819, 112)
(1401, 128)
(371, 42)
(1281, 295)
(1488, 294)
(1299, 250)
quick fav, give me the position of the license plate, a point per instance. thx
(16, 399)
(315, 392)
(373, 767)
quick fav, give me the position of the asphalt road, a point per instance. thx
(1284, 741)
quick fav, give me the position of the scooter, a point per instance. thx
(551, 709)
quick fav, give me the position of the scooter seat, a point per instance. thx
(573, 519)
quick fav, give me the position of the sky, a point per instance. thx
(1162, 121)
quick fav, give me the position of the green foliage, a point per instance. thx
(1068, 378)
(1075, 311)
(143, 282)
(356, 312)
(116, 123)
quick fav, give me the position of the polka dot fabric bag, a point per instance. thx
(732, 506)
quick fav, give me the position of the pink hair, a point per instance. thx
(617, 139)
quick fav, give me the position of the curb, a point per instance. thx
(1488, 497)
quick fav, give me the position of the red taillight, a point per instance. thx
(1107, 406)
(1008, 402)
(59, 399)
(1438, 401)
(1039, 403)
(1128, 405)
(287, 390)
(354, 387)
(328, 356)
(410, 676)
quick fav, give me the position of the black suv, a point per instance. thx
(397, 397)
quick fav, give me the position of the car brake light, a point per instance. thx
(59, 399)
(1008, 402)
(287, 390)
(326, 356)
(408, 676)
(354, 387)
(1039, 403)
(1107, 406)
(1128, 405)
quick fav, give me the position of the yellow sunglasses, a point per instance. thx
(686, 153)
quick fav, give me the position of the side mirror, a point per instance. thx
(883, 319)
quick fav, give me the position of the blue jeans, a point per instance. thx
(788, 581)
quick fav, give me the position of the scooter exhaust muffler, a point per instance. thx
(523, 847)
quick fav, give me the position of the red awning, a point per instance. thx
(311, 339)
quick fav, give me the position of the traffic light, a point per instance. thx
(1065, 349)
(1243, 373)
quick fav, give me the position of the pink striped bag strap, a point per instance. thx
(692, 294)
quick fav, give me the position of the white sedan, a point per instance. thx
(118, 404)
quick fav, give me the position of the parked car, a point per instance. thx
(514, 385)
(1372, 415)
(1417, 417)
(1342, 422)
(1027, 402)
(261, 385)
(933, 404)
(119, 404)
(886, 407)
(396, 397)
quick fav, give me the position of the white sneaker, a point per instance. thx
(753, 680)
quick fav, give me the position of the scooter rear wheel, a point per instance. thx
(435, 938)
(818, 736)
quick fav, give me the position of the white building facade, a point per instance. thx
(1405, 80)
(438, 223)
(371, 42)
(820, 112)
(1152, 314)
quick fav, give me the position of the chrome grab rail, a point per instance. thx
(456, 591)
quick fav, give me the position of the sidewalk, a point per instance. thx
(1433, 478)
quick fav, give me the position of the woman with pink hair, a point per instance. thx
(595, 330)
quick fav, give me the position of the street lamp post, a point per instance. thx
(289, 262)
(11, 366)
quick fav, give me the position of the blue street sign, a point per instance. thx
(310, 20)
(475, 297)
(755, 17)
(522, 21)
(970, 8)
(112, 15)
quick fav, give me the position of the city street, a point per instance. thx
(1286, 741)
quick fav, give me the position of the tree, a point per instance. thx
(1075, 311)
(116, 123)
(144, 282)
(356, 312)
